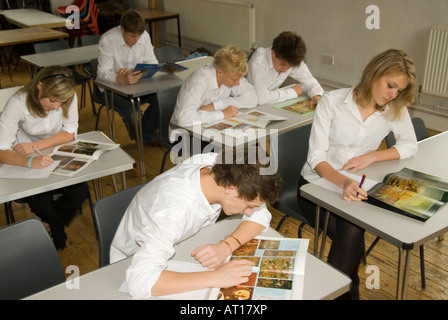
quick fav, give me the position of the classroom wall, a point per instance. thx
(338, 28)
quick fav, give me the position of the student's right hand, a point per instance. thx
(128, 76)
(230, 111)
(232, 273)
(41, 162)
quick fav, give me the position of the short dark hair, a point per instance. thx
(244, 174)
(131, 21)
(289, 47)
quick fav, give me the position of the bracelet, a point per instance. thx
(239, 243)
(230, 248)
(29, 162)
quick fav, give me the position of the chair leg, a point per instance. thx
(162, 168)
(281, 222)
(9, 213)
(98, 117)
(91, 99)
(422, 266)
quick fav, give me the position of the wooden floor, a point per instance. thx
(82, 248)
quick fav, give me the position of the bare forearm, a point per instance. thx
(57, 139)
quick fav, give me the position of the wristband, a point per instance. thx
(230, 248)
(230, 236)
(29, 162)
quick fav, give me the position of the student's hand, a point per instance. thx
(128, 76)
(24, 148)
(298, 89)
(314, 101)
(232, 273)
(211, 255)
(230, 111)
(208, 107)
(359, 163)
(352, 191)
(41, 162)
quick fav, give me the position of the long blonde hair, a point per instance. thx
(56, 83)
(389, 62)
(231, 59)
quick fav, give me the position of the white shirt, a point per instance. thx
(339, 133)
(18, 125)
(201, 88)
(267, 81)
(116, 54)
(166, 211)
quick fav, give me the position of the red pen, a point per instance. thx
(361, 183)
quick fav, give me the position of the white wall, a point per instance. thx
(337, 28)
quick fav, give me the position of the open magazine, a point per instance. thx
(245, 123)
(278, 273)
(148, 70)
(300, 106)
(412, 193)
(77, 155)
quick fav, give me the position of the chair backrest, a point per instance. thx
(169, 54)
(107, 215)
(421, 132)
(167, 101)
(90, 39)
(29, 261)
(50, 46)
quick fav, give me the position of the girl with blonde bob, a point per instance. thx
(41, 115)
(348, 127)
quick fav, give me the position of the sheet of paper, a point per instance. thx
(19, 172)
(180, 266)
(368, 183)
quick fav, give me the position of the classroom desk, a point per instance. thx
(322, 281)
(403, 232)
(9, 38)
(109, 163)
(153, 15)
(66, 57)
(198, 133)
(144, 87)
(29, 17)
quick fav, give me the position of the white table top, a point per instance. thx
(322, 281)
(160, 80)
(66, 57)
(32, 17)
(402, 231)
(111, 162)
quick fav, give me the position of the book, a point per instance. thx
(148, 70)
(171, 67)
(300, 106)
(409, 192)
(77, 155)
(278, 273)
(245, 123)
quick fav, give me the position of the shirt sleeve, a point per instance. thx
(9, 123)
(105, 69)
(406, 141)
(70, 124)
(308, 83)
(190, 99)
(242, 96)
(260, 215)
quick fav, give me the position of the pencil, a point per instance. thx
(361, 183)
(37, 150)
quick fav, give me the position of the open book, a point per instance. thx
(171, 67)
(148, 70)
(412, 193)
(278, 273)
(77, 155)
(300, 105)
(245, 123)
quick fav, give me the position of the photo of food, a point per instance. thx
(275, 267)
(236, 293)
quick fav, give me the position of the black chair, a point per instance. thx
(98, 96)
(80, 79)
(167, 101)
(290, 153)
(30, 262)
(169, 54)
(421, 132)
(107, 215)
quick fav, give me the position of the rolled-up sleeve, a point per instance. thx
(309, 84)
(260, 215)
(406, 143)
(70, 124)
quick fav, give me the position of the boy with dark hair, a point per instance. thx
(269, 68)
(176, 205)
(121, 49)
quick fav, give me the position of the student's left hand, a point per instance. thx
(358, 163)
(24, 148)
(211, 255)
